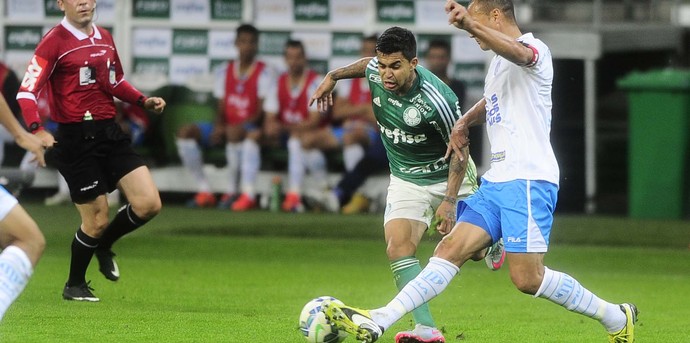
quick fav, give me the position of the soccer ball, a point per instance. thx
(314, 326)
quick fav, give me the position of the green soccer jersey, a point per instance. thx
(415, 127)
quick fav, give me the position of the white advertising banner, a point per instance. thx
(105, 12)
(25, 9)
(274, 13)
(190, 11)
(183, 68)
(151, 42)
(317, 45)
(430, 14)
(221, 44)
(352, 13)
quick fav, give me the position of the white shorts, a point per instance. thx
(7, 202)
(405, 200)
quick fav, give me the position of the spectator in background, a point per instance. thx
(438, 58)
(241, 87)
(289, 117)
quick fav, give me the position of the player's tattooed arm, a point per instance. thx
(353, 70)
(323, 96)
(445, 213)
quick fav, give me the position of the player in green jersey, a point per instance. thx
(415, 112)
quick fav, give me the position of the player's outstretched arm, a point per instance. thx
(498, 42)
(445, 213)
(324, 93)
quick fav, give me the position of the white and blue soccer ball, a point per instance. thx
(314, 326)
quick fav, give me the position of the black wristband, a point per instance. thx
(141, 101)
(34, 127)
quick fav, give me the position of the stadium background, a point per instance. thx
(180, 41)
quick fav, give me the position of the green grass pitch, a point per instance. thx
(213, 276)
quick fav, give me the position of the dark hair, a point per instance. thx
(439, 44)
(293, 43)
(505, 6)
(397, 39)
(247, 28)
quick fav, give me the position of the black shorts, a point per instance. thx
(93, 167)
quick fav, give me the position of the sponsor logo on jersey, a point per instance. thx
(498, 156)
(96, 54)
(411, 116)
(33, 73)
(398, 136)
(375, 78)
(439, 164)
(377, 101)
(493, 115)
(514, 239)
(395, 102)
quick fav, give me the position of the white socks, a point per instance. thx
(295, 165)
(251, 163)
(433, 279)
(233, 155)
(15, 271)
(190, 154)
(316, 162)
(352, 154)
(564, 290)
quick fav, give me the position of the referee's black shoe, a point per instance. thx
(79, 293)
(107, 264)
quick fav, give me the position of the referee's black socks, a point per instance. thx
(125, 221)
(83, 247)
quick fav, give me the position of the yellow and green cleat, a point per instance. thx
(627, 333)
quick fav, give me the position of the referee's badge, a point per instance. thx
(411, 116)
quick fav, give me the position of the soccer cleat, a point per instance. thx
(79, 293)
(243, 203)
(420, 334)
(107, 264)
(352, 320)
(58, 198)
(495, 255)
(358, 204)
(226, 201)
(202, 199)
(292, 203)
(627, 333)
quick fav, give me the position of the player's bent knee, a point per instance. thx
(525, 284)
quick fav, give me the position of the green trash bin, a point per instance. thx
(659, 126)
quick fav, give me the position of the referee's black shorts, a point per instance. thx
(93, 167)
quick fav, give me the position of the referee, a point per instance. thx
(78, 64)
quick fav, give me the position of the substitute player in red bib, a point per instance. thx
(241, 86)
(78, 64)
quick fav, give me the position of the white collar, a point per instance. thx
(79, 34)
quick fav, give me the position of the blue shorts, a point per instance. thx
(520, 211)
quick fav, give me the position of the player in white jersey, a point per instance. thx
(21, 241)
(518, 194)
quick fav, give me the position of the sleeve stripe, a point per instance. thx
(444, 109)
(373, 64)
